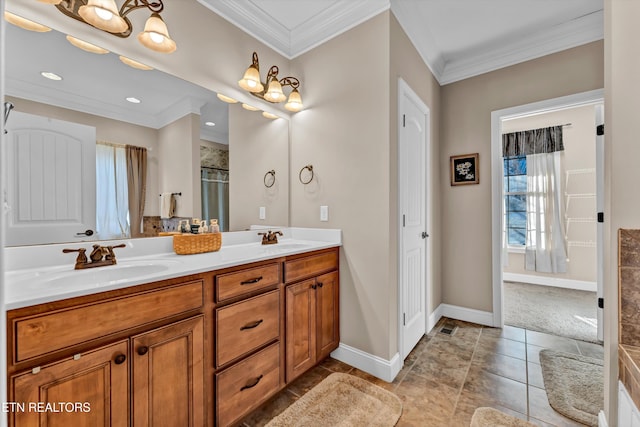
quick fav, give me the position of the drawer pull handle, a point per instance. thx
(251, 325)
(119, 360)
(251, 281)
(143, 350)
(252, 385)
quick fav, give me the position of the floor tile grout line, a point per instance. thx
(464, 381)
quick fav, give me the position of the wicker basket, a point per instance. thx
(188, 244)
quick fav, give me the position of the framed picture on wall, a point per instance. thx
(464, 169)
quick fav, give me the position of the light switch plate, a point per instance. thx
(263, 212)
(324, 213)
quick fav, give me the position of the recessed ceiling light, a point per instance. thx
(51, 76)
(133, 100)
(226, 99)
(249, 107)
(86, 46)
(24, 23)
(135, 64)
(269, 115)
(209, 123)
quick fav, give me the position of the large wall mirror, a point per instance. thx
(214, 155)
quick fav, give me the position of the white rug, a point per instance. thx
(563, 312)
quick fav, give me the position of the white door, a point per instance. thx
(413, 214)
(51, 180)
(600, 209)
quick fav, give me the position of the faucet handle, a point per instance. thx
(111, 256)
(82, 256)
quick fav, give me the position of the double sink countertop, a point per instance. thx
(41, 274)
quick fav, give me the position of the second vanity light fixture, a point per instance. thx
(104, 15)
(271, 91)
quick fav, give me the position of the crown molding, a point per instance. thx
(213, 135)
(574, 33)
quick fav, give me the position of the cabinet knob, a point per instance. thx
(320, 284)
(119, 360)
(314, 286)
(143, 350)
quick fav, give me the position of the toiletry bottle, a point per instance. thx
(203, 226)
(214, 227)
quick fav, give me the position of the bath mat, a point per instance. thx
(342, 400)
(489, 417)
(574, 385)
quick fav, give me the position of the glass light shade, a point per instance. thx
(103, 14)
(295, 101)
(81, 44)
(24, 23)
(50, 1)
(269, 115)
(226, 99)
(251, 80)
(156, 35)
(249, 107)
(135, 64)
(274, 92)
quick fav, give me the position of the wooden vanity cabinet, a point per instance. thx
(312, 311)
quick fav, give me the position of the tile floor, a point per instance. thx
(445, 378)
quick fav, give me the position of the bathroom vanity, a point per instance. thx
(201, 342)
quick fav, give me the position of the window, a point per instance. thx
(515, 195)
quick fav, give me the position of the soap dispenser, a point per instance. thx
(214, 227)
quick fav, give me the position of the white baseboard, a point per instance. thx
(466, 314)
(602, 420)
(378, 367)
(433, 318)
(558, 282)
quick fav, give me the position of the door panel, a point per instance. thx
(327, 306)
(301, 336)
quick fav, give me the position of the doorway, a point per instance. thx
(577, 206)
(413, 202)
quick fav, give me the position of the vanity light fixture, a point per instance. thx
(104, 15)
(51, 76)
(133, 100)
(269, 115)
(226, 99)
(271, 90)
(135, 64)
(86, 46)
(50, 1)
(249, 107)
(24, 23)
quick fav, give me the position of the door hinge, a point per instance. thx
(403, 220)
(600, 130)
(404, 319)
(600, 302)
(403, 121)
(600, 216)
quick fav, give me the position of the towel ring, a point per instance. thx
(310, 169)
(268, 182)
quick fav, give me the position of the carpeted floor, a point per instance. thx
(557, 311)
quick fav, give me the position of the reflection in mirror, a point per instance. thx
(184, 153)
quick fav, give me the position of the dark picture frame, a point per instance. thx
(465, 169)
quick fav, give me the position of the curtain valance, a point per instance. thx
(535, 141)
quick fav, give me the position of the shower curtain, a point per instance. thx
(215, 196)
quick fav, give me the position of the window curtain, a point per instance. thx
(136, 160)
(215, 196)
(112, 205)
(545, 245)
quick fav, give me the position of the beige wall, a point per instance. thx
(622, 193)
(579, 154)
(406, 63)
(111, 131)
(466, 128)
(257, 145)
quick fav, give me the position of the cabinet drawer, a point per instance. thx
(35, 336)
(247, 384)
(241, 282)
(313, 265)
(246, 325)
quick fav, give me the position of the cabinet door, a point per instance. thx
(301, 328)
(168, 375)
(91, 391)
(328, 314)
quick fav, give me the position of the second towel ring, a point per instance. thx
(268, 182)
(310, 169)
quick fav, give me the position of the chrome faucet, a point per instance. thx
(100, 256)
(270, 237)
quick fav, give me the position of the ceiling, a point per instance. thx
(457, 39)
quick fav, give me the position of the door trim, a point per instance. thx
(570, 101)
(405, 90)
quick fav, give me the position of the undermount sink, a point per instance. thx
(126, 270)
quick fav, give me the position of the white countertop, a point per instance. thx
(40, 274)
